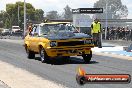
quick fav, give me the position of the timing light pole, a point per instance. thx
(24, 30)
(106, 24)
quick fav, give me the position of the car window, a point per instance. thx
(35, 31)
(55, 28)
(44, 30)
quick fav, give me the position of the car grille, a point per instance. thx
(71, 43)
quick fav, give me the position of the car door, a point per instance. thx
(35, 39)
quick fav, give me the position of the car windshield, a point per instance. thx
(55, 28)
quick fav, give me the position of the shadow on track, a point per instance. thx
(62, 61)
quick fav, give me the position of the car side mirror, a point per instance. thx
(76, 31)
(36, 34)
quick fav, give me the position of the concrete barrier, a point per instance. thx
(125, 48)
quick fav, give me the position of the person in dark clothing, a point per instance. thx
(131, 35)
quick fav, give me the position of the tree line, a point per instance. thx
(115, 10)
(14, 14)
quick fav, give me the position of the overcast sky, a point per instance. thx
(48, 5)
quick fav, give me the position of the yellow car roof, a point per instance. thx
(55, 23)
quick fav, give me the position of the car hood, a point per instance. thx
(66, 35)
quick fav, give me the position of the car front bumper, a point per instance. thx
(68, 51)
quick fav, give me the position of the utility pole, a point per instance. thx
(24, 30)
(106, 24)
(18, 14)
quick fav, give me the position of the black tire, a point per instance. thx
(87, 57)
(43, 55)
(66, 58)
(30, 54)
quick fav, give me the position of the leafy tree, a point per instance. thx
(1, 19)
(32, 14)
(67, 13)
(12, 10)
(115, 9)
(7, 23)
(5, 18)
(39, 14)
(52, 15)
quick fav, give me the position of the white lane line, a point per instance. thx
(19, 78)
(116, 54)
(113, 55)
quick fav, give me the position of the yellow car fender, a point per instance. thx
(27, 43)
(42, 44)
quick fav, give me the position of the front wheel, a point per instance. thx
(87, 57)
(30, 54)
(66, 58)
(43, 55)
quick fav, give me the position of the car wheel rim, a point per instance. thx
(27, 51)
(42, 55)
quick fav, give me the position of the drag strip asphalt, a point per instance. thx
(64, 72)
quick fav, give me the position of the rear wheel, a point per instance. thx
(30, 54)
(87, 57)
(43, 55)
(66, 58)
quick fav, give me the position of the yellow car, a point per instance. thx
(56, 39)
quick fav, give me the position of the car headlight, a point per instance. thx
(87, 41)
(53, 44)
